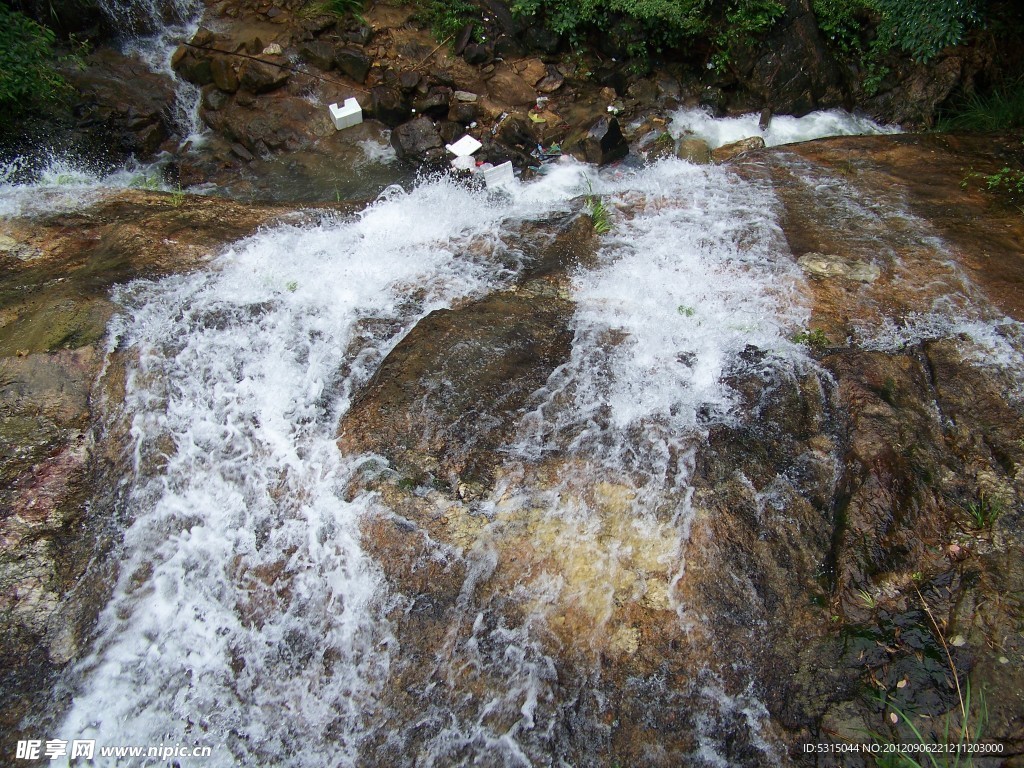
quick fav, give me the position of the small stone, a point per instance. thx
(465, 96)
(241, 152)
(694, 150)
(737, 148)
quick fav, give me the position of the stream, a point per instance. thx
(256, 608)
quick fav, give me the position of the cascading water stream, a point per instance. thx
(152, 30)
(250, 616)
(247, 616)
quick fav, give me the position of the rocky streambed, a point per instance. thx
(456, 480)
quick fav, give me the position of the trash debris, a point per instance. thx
(501, 119)
(499, 176)
(464, 147)
(347, 115)
(464, 163)
(554, 152)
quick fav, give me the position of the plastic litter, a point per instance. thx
(499, 176)
(464, 147)
(347, 115)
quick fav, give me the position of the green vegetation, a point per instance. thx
(961, 728)
(333, 8)
(27, 62)
(999, 110)
(984, 512)
(599, 215)
(446, 18)
(815, 339)
(643, 27)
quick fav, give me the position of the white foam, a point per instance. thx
(56, 182)
(783, 129)
(245, 615)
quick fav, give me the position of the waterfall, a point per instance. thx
(152, 30)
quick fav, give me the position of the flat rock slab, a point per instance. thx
(449, 396)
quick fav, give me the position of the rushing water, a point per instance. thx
(247, 615)
(153, 30)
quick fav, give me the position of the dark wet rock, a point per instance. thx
(600, 143)
(517, 131)
(478, 54)
(462, 39)
(793, 72)
(319, 53)
(408, 80)
(434, 104)
(728, 151)
(388, 105)
(260, 77)
(417, 140)
(192, 67)
(445, 399)
(224, 75)
(120, 98)
(353, 63)
(464, 112)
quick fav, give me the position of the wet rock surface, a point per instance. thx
(835, 549)
(60, 468)
(445, 423)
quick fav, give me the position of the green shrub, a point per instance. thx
(27, 73)
(922, 28)
(447, 17)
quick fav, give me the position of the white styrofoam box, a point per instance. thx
(499, 175)
(464, 163)
(464, 147)
(347, 115)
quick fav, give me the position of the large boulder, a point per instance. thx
(353, 63)
(417, 140)
(447, 398)
(792, 71)
(388, 105)
(260, 77)
(600, 142)
(509, 88)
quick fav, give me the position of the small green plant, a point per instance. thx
(177, 196)
(867, 599)
(686, 311)
(815, 339)
(292, 286)
(960, 730)
(599, 214)
(984, 512)
(148, 181)
(338, 8)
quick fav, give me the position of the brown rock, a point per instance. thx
(728, 151)
(224, 75)
(259, 77)
(509, 88)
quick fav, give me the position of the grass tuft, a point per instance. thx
(998, 110)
